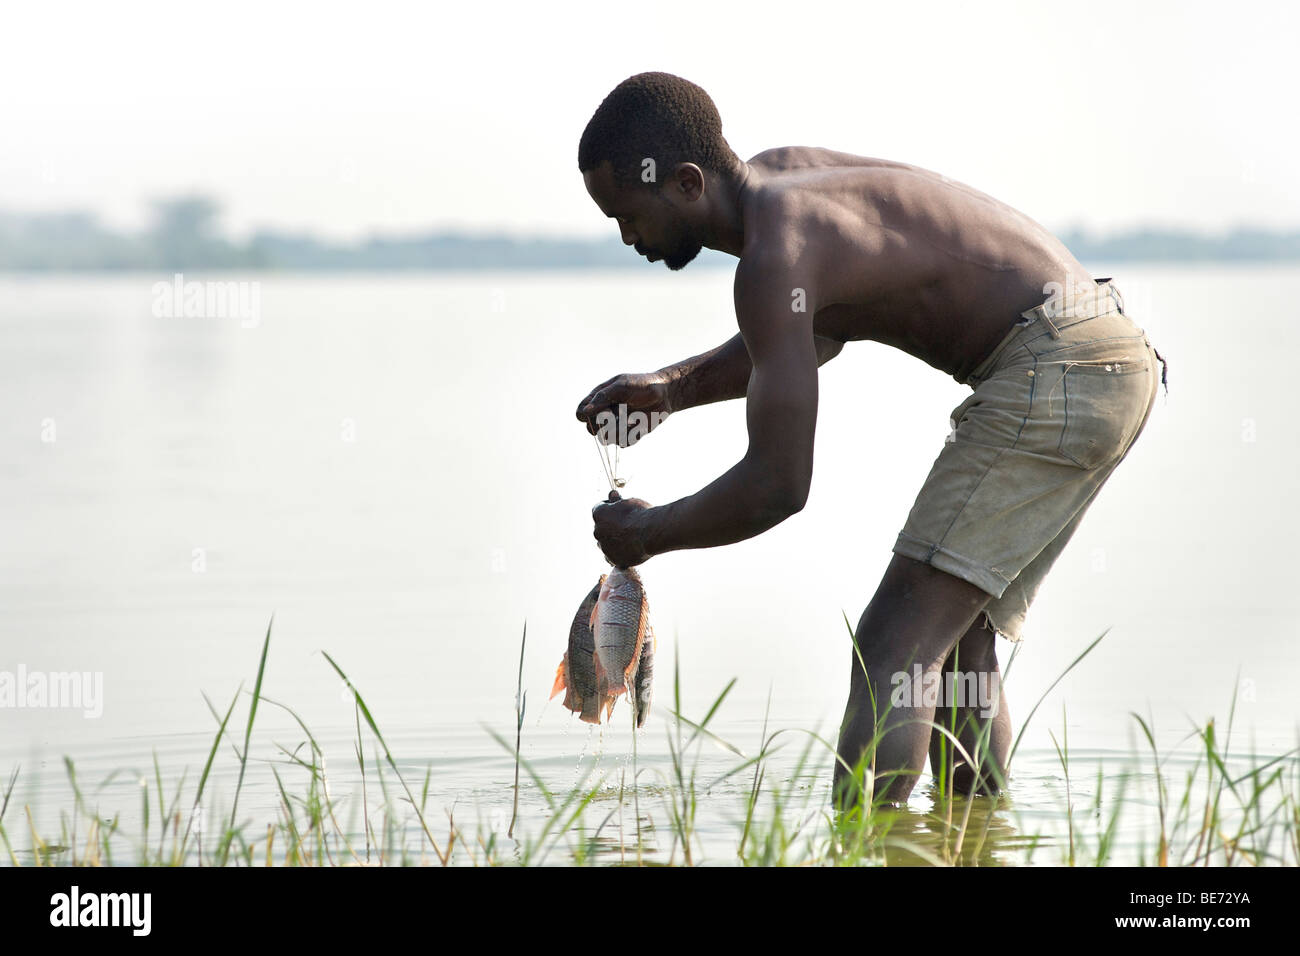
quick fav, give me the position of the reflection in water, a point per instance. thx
(966, 831)
(610, 822)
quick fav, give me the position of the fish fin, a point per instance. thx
(560, 683)
(595, 608)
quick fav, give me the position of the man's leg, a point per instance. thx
(916, 617)
(977, 715)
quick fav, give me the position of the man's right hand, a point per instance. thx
(624, 394)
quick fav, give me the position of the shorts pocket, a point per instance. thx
(1105, 403)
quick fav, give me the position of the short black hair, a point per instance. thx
(655, 116)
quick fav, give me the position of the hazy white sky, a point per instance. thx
(345, 119)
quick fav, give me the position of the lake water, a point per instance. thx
(390, 466)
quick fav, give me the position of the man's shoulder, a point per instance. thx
(785, 256)
(777, 232)
(822, 237)
(796, 223)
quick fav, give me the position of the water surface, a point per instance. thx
(389, 465)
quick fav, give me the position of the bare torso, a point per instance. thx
(901, 255)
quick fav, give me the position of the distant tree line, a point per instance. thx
(1239, 245)
(182, 234)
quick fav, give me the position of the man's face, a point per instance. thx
(646, 218)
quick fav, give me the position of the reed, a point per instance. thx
(1212, 806)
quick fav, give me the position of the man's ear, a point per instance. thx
(688, 182)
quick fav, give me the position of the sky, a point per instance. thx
(345, 120)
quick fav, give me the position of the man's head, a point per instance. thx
(646, 157)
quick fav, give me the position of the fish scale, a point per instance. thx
(619, 622)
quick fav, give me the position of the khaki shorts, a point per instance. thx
(1055, 407)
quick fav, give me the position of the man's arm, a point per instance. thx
(723, 373)
(771, 481)
(718, 375)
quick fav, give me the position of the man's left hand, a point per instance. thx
(620, 530)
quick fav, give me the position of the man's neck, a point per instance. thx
(726, 229)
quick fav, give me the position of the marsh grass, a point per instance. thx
(1211, 806)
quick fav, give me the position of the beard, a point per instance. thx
(683, 254)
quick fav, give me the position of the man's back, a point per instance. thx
(902, 255)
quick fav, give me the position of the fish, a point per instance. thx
(644, 682)
(611, 651)
(620, 622)
(576, 675)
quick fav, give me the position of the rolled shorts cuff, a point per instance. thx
(950, 561)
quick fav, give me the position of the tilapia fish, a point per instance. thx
(611, 650)
(645, 674)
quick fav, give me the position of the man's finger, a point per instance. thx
(591, 396)
(614, 498)
(591, 411)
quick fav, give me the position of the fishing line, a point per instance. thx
(603, 452)
(610, 468)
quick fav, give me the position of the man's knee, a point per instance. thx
(916, 599)
(977, 648)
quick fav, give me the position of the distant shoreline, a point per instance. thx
(183, 236)
(1099, 266)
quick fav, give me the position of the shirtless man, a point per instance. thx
(836, 248)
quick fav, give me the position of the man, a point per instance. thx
(835, 248)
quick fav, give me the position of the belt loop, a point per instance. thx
(1047, 320)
